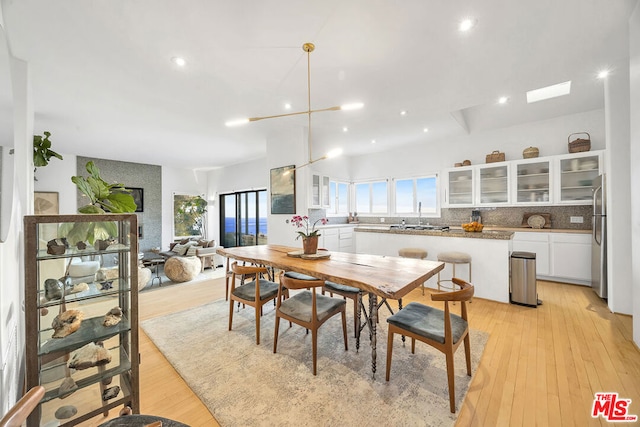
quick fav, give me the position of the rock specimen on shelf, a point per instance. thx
(64, 412)
(89, 356)
(67, 387)
(110, 393)
(57, 246)
(66, 323)
(113, 317)
(79, 287)
(44, 311)
(52, 289)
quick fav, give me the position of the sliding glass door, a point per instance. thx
(244, 215)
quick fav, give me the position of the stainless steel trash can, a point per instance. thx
(522, 278)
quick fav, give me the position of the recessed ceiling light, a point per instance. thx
(287, 106)
(403, 113)
(503, 100)
(425, 130)
(548, 92)
(467, 24)
(373, 141)
(345, 129)
(180, 62)
(603, 74)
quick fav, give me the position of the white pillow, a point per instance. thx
(180, 249)
(192, 250)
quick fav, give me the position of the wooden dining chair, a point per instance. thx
(18, 414)
(346, 291)
(440, 329)
(308, 309)
(254, 293)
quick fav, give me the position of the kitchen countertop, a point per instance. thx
(374, 227)
(454, 232)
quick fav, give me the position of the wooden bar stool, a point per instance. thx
(454, 258)
(413, 253)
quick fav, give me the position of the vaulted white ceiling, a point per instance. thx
(104, 85)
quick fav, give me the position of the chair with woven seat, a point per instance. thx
(308, 309)
(442, 330)
(255, 293)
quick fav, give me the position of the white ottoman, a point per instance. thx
(182, 269)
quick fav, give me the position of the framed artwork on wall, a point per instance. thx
(138, 197)
(46, 203)
(283, 190)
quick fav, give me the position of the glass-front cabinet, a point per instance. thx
(494, 184)
(81, 299)
(460, 187)
(320, 191)
(575, 177)
(533, 181)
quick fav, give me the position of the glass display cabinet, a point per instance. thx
(81, 312)
(494, 184)
(577, 173)
(533, 183)
(460, 187)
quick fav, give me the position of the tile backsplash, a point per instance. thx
(502, 217)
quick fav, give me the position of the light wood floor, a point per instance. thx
(540, 366)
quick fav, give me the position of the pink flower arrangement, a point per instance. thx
(303, 221)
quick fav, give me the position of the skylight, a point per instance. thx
(548, 92)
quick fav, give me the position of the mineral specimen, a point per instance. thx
(110, 393)
(65, 412)
(52, 289)
(67, 387)
(113, 317)
(67, 323)
(88, 356)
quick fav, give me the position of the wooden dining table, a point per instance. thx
(380, 276)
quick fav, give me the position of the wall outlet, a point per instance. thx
(576, 220)
(381, 219)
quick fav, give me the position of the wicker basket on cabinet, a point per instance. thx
(580, 144)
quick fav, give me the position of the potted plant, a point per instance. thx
(310, 234)
(103, 198)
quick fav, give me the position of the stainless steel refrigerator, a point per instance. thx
(599, 238)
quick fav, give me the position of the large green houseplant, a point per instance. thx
(103, 198)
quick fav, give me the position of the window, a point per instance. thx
(417, 194)
(338, 198)
(245, 218)
(371, 197)
(189, 215)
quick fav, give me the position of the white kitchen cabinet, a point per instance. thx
(574, 176)
(571, 257)
(319, 191)
(459, 188)
(538, 243)
(493, 184)
(337, 238)
(532, 182)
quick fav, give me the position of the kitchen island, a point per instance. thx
(490, 252)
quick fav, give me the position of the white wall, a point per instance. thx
(56, 176)
(12, 327)
(178, 181)
(618, 189)
(550, 136)
(634, 78)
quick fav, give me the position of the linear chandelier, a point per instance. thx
(307, 47)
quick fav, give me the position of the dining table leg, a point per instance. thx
(373, 322)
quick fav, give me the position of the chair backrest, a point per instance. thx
(247, 269)
(291, 283)
(464, 294)
(18, 414)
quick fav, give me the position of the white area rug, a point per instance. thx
(244, 384)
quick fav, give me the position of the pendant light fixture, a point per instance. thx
(308, 48)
